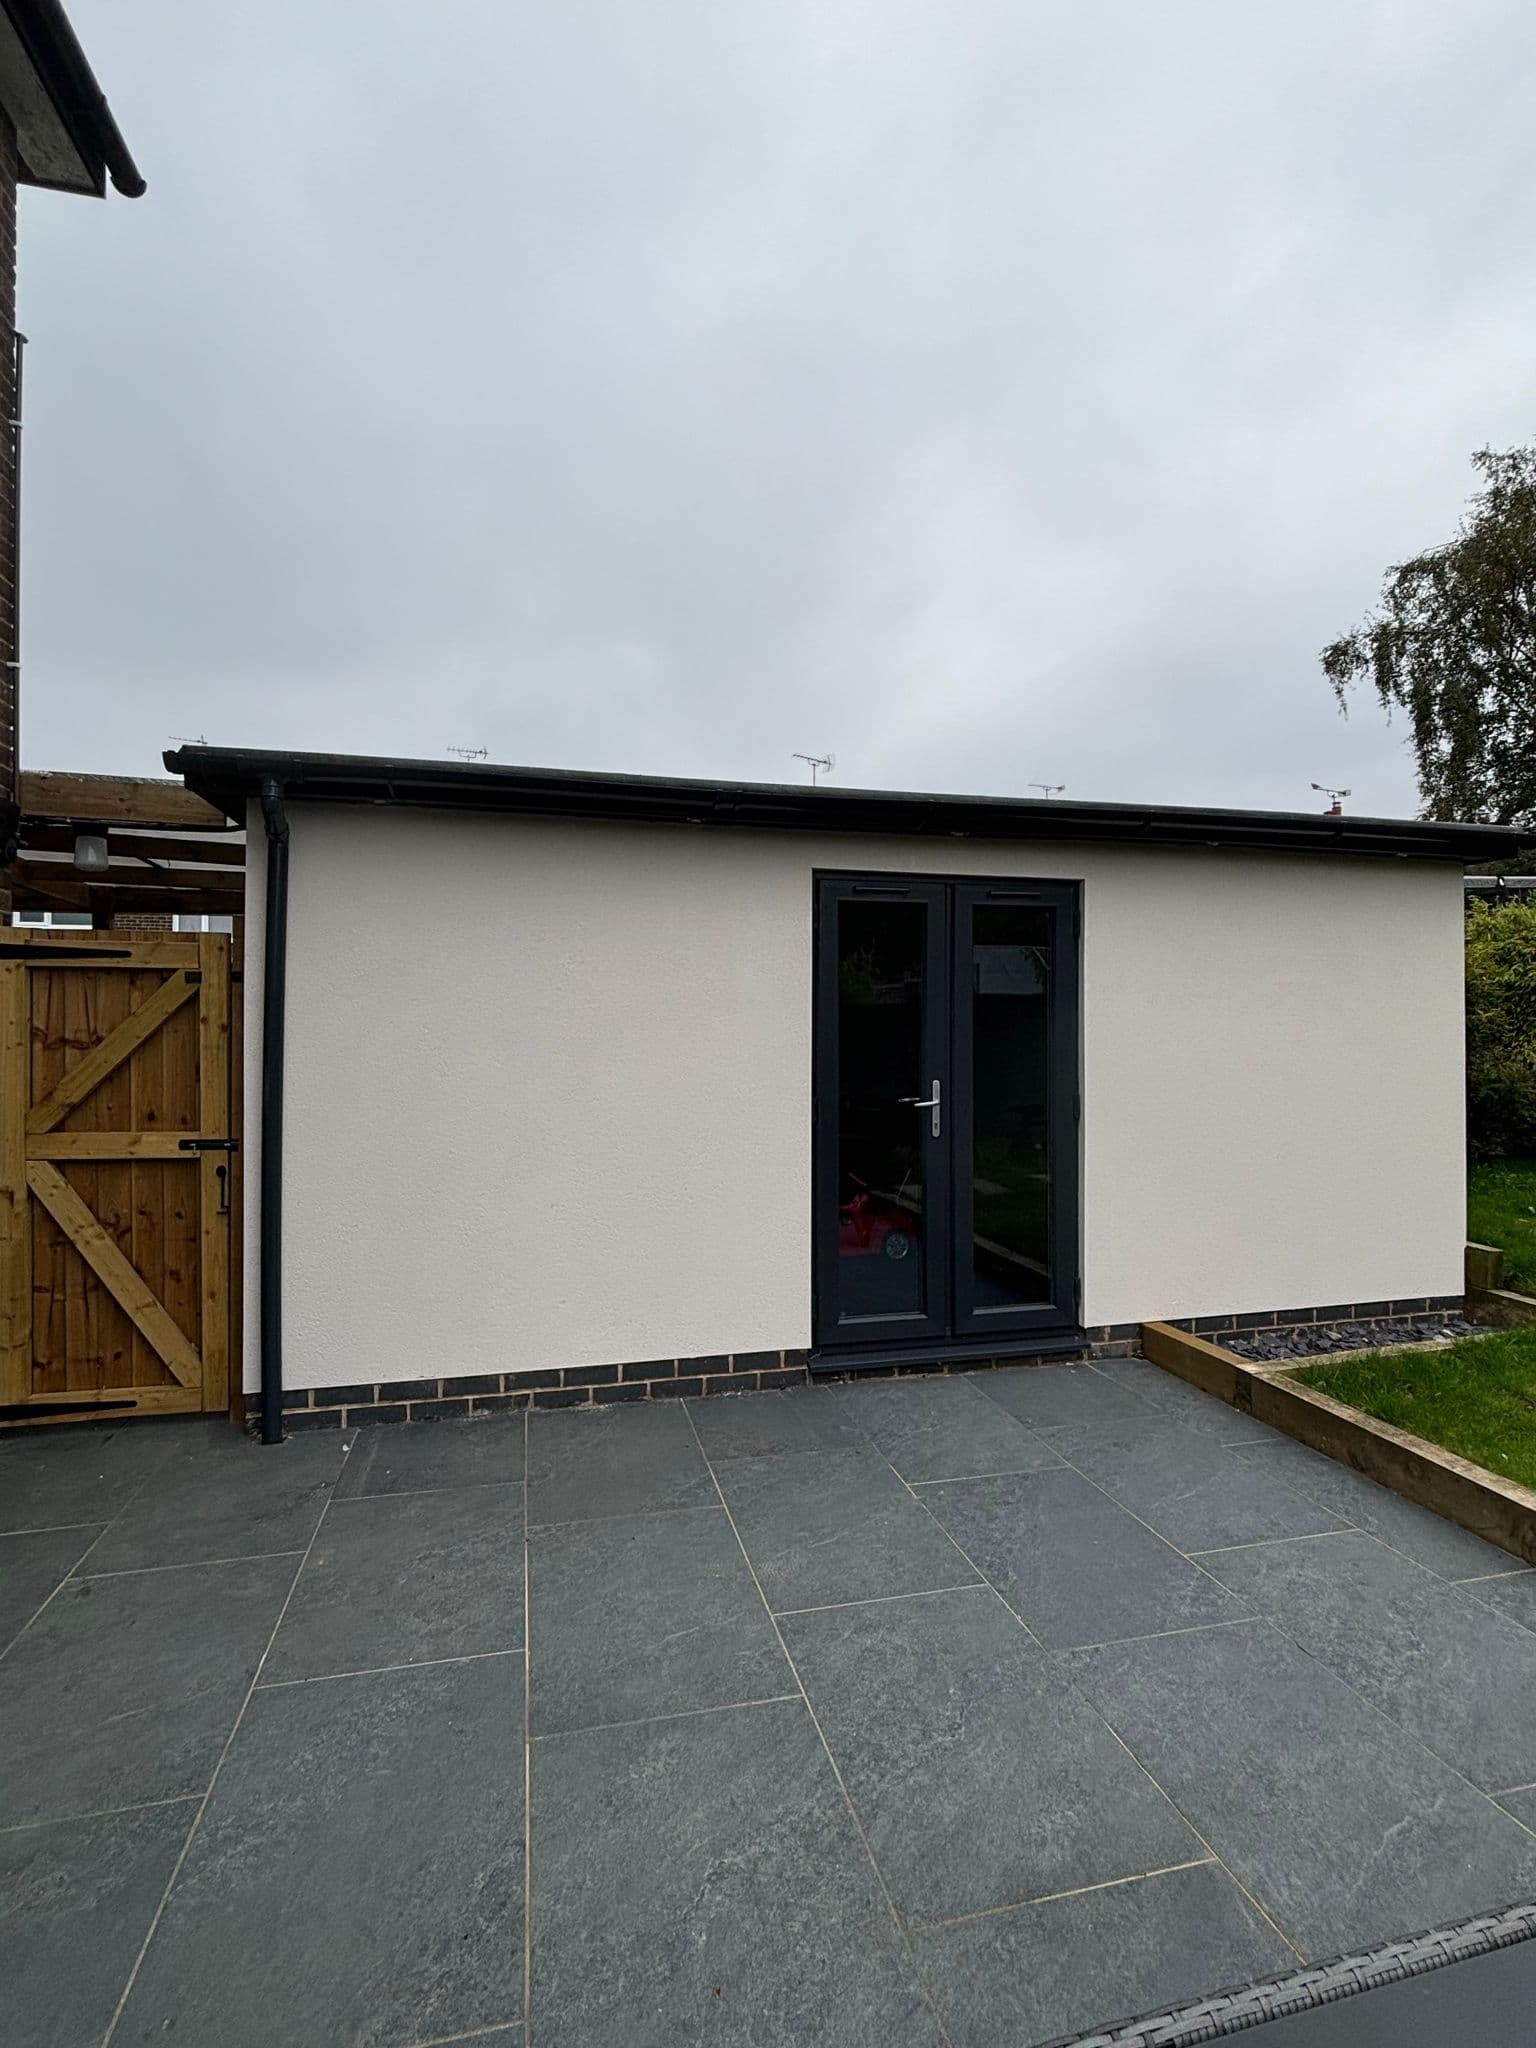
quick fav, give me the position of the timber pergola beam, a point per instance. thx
(168, 850)
(49, 797)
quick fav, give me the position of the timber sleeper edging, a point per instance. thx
(1499, 1510)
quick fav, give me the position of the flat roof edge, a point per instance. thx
(229, 777)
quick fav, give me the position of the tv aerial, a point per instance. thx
(1335, 799)
(470, 753)
(1048, 789)
(818, 764)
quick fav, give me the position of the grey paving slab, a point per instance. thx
(125, 1689)
(358, 1874)
(1487, 2001)
(1431, 1657)
(49, 1478)
(1344, 1829)
(943, 1429)
(401, 1578)
(1015, 1980)
(1425, 1537)
(702, 1880)
(1046, 1397)
(1076, 1567)
(751, 1425)
(412, 1457)
(76, 1901)
(614, 1461)
(1177, 1401)
(640, 1615)
(823, 1407)
(982, 1777)
(32, 1563)
(1513, 1596)
(1190, 1488)
(218, 1496)
(1522, 1804)
(823, 1526)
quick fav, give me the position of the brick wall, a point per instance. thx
(148, 922)
(9, 736)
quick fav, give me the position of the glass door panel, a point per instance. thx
(1009, 1167)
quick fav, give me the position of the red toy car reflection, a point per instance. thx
(871, 1225)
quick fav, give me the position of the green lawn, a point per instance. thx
(1501, 1210)
(1477, 1397)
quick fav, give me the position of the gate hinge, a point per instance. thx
(209, 1145)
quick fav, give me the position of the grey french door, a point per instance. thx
(946, 1114)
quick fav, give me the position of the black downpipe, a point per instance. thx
(274, 995)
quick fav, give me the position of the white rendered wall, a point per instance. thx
(549, 1085)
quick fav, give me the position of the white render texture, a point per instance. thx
(549, 1085)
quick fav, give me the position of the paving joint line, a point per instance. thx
(105, 1530)
(1094, 1708)
(772, 1699)
(197, 1818)
(386, 1670)
(1077, 1891)
(53, 1820)
(899, 1924)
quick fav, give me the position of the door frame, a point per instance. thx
(953, 1328)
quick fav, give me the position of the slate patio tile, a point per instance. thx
(826, 1414)
(639, 1615)
(125, 1689)
(32, 1563)
(415, 1457)
(52, 1478)
(1047, 1397)
(1427, 1538)
(402, 1578)
(1076, 1567)
(1177, 1401)
(825, 1526)
(76, 1901)
(981, 1775)
(751, 1425)
(1189, 1488)
(365, 1833)
(1522, 1804)
(1344, 1829)
(1015, 1980)
(614, 1461)
(223, 1496)
(1512, 1595)
(1396, 1633)
(943, 1429)
(702, 1880)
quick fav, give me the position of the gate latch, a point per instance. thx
(209, 1145)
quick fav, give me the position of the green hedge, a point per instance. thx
(1501, 1029)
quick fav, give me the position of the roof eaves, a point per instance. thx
(228, 777)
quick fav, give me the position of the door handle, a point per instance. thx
(933, 1102)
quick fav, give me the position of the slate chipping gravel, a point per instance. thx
(1318, 1340)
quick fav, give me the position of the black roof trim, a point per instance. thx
(229, 777)
(65, 74)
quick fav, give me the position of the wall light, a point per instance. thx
(91, 853)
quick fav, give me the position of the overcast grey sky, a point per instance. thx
(988, 392)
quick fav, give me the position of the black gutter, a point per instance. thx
(274, 991)
(64, 72)
(229, 777)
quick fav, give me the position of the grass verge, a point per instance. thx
(1477, 1397)
(1501, 1210)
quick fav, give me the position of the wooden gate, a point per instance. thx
(117, 1174)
